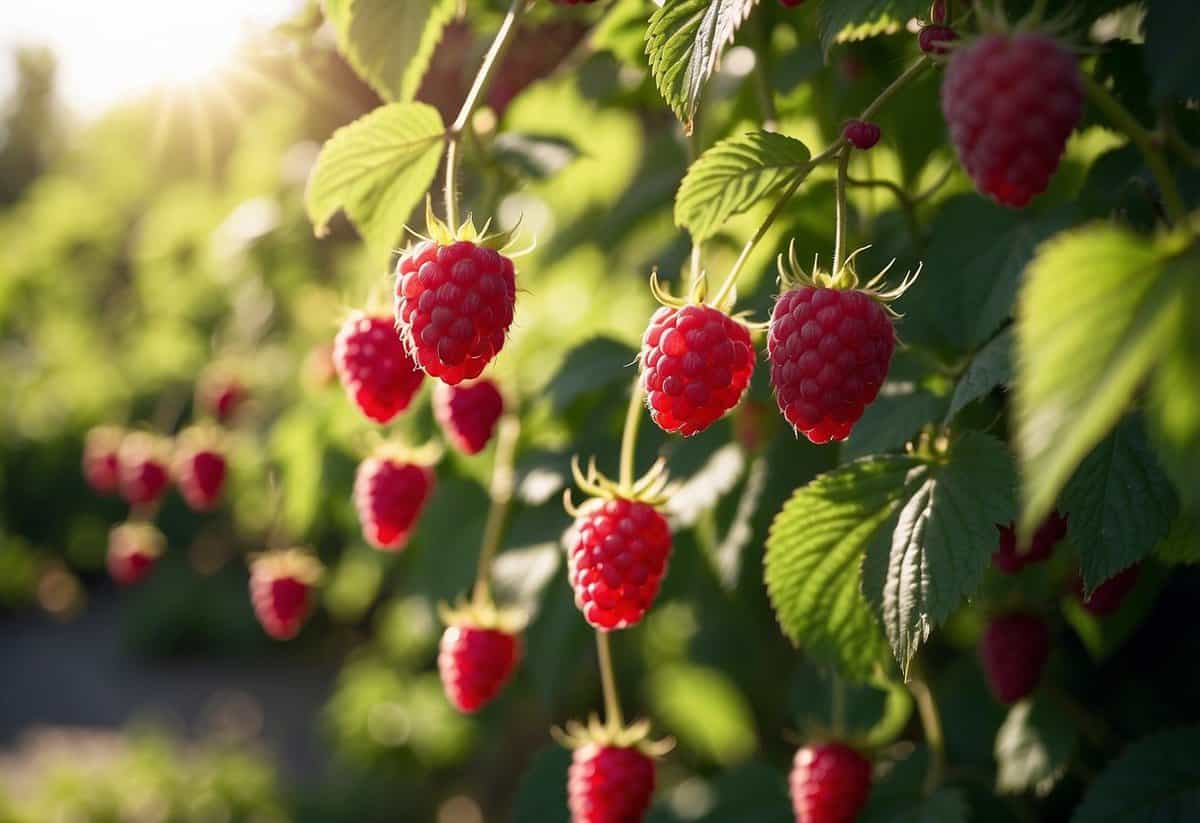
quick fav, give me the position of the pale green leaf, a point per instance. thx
(1175, 410)
(840, 21)
(703, 708)
(1156, 780)
(1033, 747)
(389, 43)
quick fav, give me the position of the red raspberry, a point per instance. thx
(1110, 594)
(199, 468)
(936, 39)
(938, 12)
(791, 4)
(475, 663)
(861, 134)
(389, 494)
(101, 467)
(220, 394)
(617, 560)
(454, 305)
(374, 367)
(830, 350)
(144, 461)
(1011, 101)
(829, 783)
(609, 784)
(468, 413)
(696, 365)
(133, 549)
(1013, 649)
(281, 588)
(1010, 561)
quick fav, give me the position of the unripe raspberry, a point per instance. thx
(281, 590)
(199, 468)
(609, 784)
(374, 366)
(1011, 101)
(389, 494)
(861, 134)
(144, 461)
(220, 394)
(1109, 595)
(829, 783)
(454, 306)
(133, 550)
(468, 413)
(1009, 560)
(475, 663)
(101, 466)
(936, 39)
(1013, 650)
(696, 364)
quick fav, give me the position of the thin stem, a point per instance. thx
(900, 82)
(612, 703)
(451, 190)
(1125, 122)
(501, 493)
(907, 204)
(633, 418)
(731, 278)
(840, 227)
(931, 724)
(838, 706)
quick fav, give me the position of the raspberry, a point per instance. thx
(791, 4)
(829, 783)
(830, 350)
(374, 367)
(133, 549)
(468, 413)
(861, 134)
(938, 12)
(143, 468)
(454, 305)
(475, 663)
(936, 39)
(617, 560)
(1013, 649)
(389, 494)
(281, 586)
(101, 468)
(199, 468)
(609, 784)
(696, 365)
(220, 394)
(1110, 594)
(1011, 101)
(1010, 561)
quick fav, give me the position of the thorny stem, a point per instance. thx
(612, 703)
(931, 724)
(839, 199)
(501, 493)
(633, 418)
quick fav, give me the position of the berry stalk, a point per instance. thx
(839, 207)
(633, 419)
(931, 725)
(501, 493)
(612, 702)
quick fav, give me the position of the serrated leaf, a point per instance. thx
(388, 43)
(943, 540)
(1120, 504)
(990, 367)
(1172, 30)
(814, 552)
(734, 175)
(1156, 780)
(377, 169)
(1033, 747)
(841, 21)
(685, 40)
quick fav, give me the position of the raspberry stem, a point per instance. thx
(612, 703)
(633, 418)
(501, 492)
(839, 208)
(931, 725)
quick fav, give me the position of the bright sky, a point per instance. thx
(109, 50)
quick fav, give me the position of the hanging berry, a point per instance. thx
(282, 582)
(829, 783)
(199, 467)
(1009, 559)
(1013, 649)
(391, 488)
(468, 413)
(101, 466)
(133, 550)
(478, 653)
(375, 368)
(611, 777)
(145, 474)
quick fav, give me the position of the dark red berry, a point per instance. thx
(101, 466)
(374, 366)
(609, 784)
(475, 663)
(1013, 650)
(1109, 595)
(938, 12)
(861, 134)
(199, 468)
(791, 4)
(281, 590)
(1009, 560)
(144, 461)
(389, 494)
(696, 365)
(829, 783)
(830, 350)
(936, 39)
(1011, 101)
(220, 394)
(133, 549)
(454, 305)
(468, 413)
(617, 560)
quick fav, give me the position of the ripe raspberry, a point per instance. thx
(696, 365)
(861, 134)
(830, 350)
(281, 588)
(936, 39)
(829, 783)
(144, 459)
(475, 663)
(374, 367)
(199, 468)
(133, 549)
(1110, 594)
(609, 784)
(220, 394)
(617, 560)
(1013, 650)
(1010, 561)
(101, 468)
(938, 12)
(1011, 101)
(454, 305)
(468, 413)
(389, 494)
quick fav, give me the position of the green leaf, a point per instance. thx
(1099, 306)
(1175, 409)
(1181, 547)
(814, 552)
(536, 156)
(1120, 504)
(1156, 780)
(840, 21)
(592, 366)
(622, 31)
(685, 40)
(542, 792)
(943, 806)
(703, 708)
(751, 793)
(734, 175)
(377, 169)
(990, 367)
(874, 714)
(389, 43)
(891, 421)
(1033, 747)
(943, 540)
(1172, 30)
